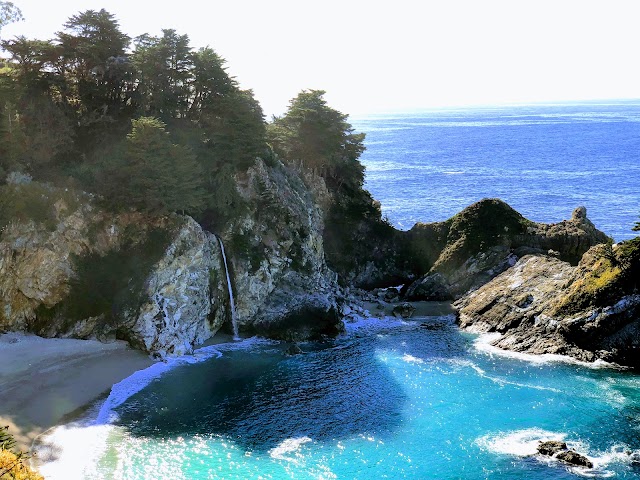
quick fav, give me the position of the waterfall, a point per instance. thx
(234, 322)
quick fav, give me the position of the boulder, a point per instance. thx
(551, 447)
(431, 287)
(574, 458)
(404, 310)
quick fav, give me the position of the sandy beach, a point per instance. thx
(45, 381)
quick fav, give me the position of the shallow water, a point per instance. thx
(415, 399)
(543, 160)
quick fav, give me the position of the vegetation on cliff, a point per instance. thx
(605, 274)
(12, 461)
(158, 127)
(320, 139)
(154, 125)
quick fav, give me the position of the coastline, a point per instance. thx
(46, 381)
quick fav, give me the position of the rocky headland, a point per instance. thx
(159, 282)
(542, 304)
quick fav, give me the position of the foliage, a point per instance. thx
(12, 465)
(9, 13)
(320, 137)
(34, 202)
(164, 68)
(605, 277)
(83, 105)
(150, 173)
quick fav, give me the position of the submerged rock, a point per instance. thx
(293, 349)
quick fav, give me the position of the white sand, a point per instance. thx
(45, 380)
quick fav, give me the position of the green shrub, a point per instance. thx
(34, 202)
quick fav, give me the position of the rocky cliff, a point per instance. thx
(284, 288)
(159, 282)
(545, 305)
(482, 241)
(86, 273)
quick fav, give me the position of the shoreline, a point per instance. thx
(45, 382)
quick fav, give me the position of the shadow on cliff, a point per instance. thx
(259, 400)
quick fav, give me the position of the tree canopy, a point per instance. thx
(320, 137)
(84, 103)
(152, 124)
(9, 13)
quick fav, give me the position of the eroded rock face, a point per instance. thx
(184, 297)
(484, 240)
(284, 288)
(544, 305)
(180, 305)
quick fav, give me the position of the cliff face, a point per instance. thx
(77, 278)
(544, 305)
(284, 287)
(160, 282)
(484, 240)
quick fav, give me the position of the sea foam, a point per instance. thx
(77, 447)
(484, 344)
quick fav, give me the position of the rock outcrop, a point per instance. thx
(484, 240)
(67, 280)
(159, 282)
(563, 453)
(283, 286)
(544, 305)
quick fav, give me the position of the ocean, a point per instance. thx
(415, 399)
(543, 160)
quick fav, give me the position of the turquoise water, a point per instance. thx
(544, 160)
(416, 399)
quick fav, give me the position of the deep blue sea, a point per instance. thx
(392, 399)
(543, 160)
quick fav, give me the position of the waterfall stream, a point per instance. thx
(234, 322)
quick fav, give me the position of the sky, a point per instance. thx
(393, 55)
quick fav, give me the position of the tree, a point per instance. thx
(12, 460)
(636, 227)
(9, 13)
(320, 137)
(164, 68)
(98, 78)
(151, 173)
(35, 127)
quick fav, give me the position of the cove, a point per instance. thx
(390, 399)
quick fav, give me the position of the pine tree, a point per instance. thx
(151, 173)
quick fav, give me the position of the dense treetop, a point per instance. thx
(151, 123)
